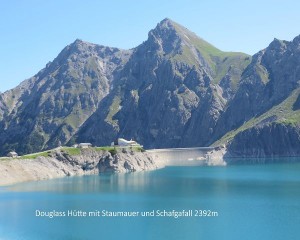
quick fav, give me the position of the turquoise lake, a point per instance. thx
(246, 202)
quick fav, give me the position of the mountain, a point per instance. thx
(46, 110)
(173, 90)
(168, 94)
(263, 118)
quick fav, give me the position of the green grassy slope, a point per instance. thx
(220, 62)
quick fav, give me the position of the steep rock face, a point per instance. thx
(270, 78)
(273, 133)
(166, 91)
(296, 105)
(267, 140)
(3, 108)
(49, 108)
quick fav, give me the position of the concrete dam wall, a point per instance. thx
(182, 156)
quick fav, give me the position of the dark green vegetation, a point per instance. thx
(173, 90)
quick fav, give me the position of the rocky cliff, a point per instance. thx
(60, 164)
(2, 108)
(263, 117)
(267, 140)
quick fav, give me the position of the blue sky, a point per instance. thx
(33, 32)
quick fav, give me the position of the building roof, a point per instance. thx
(85, 144)
(124, 142)
(13, 153)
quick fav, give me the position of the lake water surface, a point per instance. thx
(245, 202)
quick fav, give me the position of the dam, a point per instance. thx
(182, 156)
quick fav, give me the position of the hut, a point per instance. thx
(12, 154)
(84, 145)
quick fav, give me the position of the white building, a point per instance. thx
(125, 143)
(12, 154)
(84, 145)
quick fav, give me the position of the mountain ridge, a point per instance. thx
(173, 90)
(162, 71)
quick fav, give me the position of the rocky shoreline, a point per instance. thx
(61, 164)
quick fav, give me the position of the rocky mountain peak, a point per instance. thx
(297, 40)
(165, 23)
(186, 36)
(80, 47)
(172, 26)
(78, 41)
(277, 44)
(171, 35)
(164, 36)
